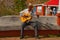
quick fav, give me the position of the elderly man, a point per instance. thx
(26, 20)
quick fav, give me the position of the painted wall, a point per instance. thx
(13, 23)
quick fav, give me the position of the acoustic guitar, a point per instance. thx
(25, 17)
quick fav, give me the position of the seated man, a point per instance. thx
(26, 20)
(54, 11)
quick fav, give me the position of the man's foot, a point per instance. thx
(36, 36)
(21, 37)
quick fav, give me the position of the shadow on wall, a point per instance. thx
(13, 23)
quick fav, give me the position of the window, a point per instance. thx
(39, 9)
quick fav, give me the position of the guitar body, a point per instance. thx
(25, 18)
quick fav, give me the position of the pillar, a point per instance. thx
(43, 10)
(36, 10)
(58, 14)
(58, 19)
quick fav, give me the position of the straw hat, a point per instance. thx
(30, 4)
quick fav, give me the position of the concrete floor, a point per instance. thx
(17, 38)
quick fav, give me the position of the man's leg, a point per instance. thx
(36, 29)
(35, 26)
(22, 30)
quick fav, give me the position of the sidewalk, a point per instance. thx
(17, 38)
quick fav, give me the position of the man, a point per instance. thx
(26, 20)
(54, 11)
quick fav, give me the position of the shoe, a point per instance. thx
(37, 36)
(21, 37)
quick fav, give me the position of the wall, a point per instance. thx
(10, 26)
(14, 23)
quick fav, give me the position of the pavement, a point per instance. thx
(18, 38)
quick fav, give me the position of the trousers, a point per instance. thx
(33, 24)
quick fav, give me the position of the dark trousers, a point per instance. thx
(33, 24)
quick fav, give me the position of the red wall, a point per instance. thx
(28, 32)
